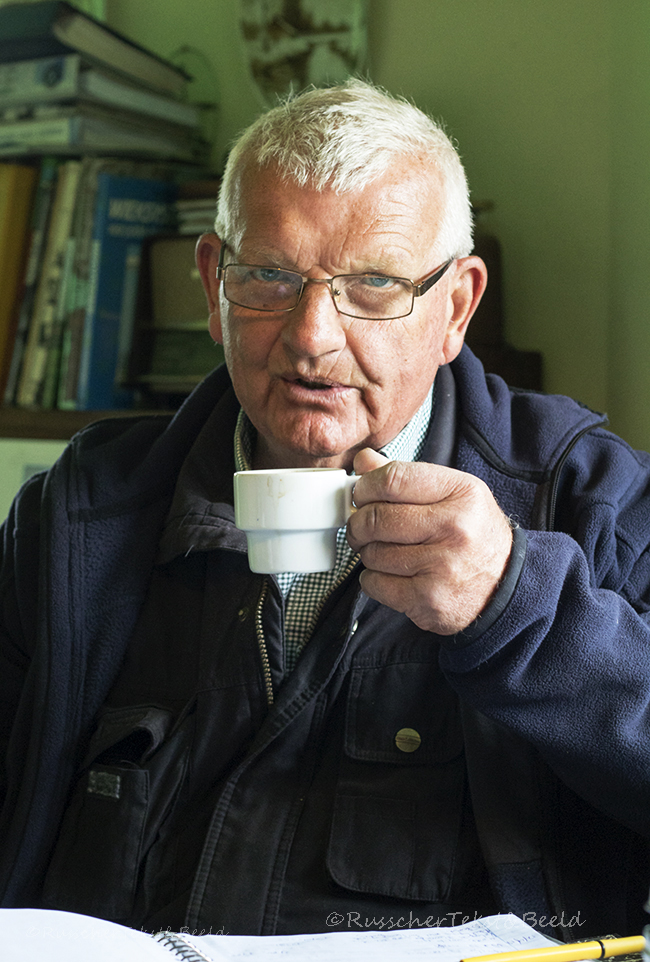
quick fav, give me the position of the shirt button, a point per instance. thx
(407, 740)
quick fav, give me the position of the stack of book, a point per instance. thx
(172, 350)
(195, 215)
(93, 135)
(69, 84)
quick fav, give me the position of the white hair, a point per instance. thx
(342, 138)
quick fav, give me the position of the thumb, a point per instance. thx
(367, 460)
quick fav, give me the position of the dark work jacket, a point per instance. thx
(549, 688)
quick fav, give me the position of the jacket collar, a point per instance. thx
(521, 433)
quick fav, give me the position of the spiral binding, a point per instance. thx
(175, 942)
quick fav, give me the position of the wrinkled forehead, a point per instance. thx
(409, 191)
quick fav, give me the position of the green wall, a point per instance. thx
(629, 308)
(202, 35)
(549, 101)
(521, 86)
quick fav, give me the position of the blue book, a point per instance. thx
(127, 210)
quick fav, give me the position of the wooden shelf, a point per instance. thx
(57, 425)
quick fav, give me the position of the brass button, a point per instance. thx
(407, 740)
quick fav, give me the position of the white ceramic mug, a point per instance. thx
(291, 516)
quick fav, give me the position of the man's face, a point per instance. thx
(316, 385)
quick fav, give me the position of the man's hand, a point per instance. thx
(434, 541)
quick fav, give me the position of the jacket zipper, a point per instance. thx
(555, 481)
(261, 643)
(259, 627)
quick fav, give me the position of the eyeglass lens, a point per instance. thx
(371, 296)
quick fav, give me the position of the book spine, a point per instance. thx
(90, 128)
(76, 296)
(41, 325)
(54, 80)
(88, 334)
(53, 360)
(107, 91)
(17, 184)
(128, 210)
(127, 314)
(20, 137)
(40, 222)
(82, 34)
(40, 80)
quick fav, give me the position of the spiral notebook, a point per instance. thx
(41, 935)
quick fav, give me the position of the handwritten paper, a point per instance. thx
(497, 933)
(36, 935)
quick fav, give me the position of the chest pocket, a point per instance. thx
(132, 775)
(401, 788)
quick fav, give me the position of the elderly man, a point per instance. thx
(452, 722)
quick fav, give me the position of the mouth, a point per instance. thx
(314, 385)
(303, 389)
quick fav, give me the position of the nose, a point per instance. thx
(314, 327)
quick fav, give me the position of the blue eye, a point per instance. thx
(378, 281)
(268, 274)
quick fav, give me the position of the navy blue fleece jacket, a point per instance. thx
(553, 680)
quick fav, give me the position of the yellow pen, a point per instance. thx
(597, 949)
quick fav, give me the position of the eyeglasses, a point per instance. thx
(370, 297)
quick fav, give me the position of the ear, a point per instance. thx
(208, 248)
(466, 289)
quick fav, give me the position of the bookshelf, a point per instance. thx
(52, 420)
(53, 425)
(77, 201)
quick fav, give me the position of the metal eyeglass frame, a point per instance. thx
(418, 289)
